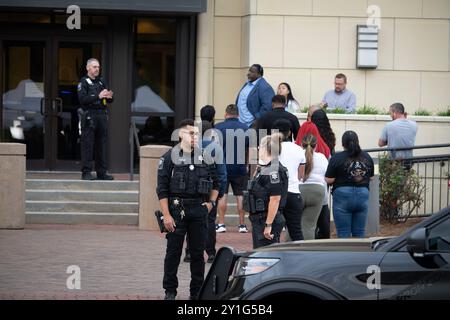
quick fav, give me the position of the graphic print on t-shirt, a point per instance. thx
(357, 171)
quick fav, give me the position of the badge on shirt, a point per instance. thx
(79, 86)
(274, 177)
(161, 163)
(89, 81)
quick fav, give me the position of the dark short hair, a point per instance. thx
(207, 113)
(232, 110)
(279, 99)
(185, 123)
(398, 108)
(282, 125)
(341, 76)
(258, 68)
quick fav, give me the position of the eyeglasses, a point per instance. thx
(191, 133)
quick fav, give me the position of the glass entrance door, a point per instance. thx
(24, 100)
(71, 66)
(40, 101)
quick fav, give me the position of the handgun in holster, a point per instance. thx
(86, 119)
(160, 219)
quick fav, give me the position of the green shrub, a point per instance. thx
(367, 110)
(303, 109)
(401, 191)
(336, 111)
(444, 113)
(422, 112)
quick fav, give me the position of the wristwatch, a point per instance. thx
(268, 225)
(213, 202)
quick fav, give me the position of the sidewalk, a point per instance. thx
(116, 262)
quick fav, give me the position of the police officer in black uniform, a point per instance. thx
(266, 194)
(93, 96)
(187, 191)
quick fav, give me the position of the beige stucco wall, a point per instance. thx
(306, 42)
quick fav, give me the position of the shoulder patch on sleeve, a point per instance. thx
(79, 86)
(161, 163)
(274, 177)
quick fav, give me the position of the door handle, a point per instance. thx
(57, 106)
(43, 109)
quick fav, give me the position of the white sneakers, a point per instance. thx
(242, 228)
(220, 228)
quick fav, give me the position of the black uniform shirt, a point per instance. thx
(88, 91)
(269, 118)
(270, 181)
(165, 169)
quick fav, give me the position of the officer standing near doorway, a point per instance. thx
(187, 190)
(94, 96)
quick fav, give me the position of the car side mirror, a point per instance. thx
(417, 243)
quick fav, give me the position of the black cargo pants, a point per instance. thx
(194, 223)
(94, 139)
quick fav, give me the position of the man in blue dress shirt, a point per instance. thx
(255, 97)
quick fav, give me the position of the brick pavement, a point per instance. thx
(116, 262)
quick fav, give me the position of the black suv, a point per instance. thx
(415, 265)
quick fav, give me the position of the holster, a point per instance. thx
(160, 219)
(249, 202)
(86, 119)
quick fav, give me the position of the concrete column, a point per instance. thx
(12, 185)
(148, 201)
(373, 213)
(205, 58)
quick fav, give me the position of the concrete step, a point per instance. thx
(52, 184)
(108, 218)
(82, 195)
(81, 206)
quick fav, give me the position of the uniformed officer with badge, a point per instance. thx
(266, 193)
(187, 190)
(94, 96)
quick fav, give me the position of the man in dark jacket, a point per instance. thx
(94, 97)
(278, 112)
(255, 97)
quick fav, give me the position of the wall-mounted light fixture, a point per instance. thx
(367, 47)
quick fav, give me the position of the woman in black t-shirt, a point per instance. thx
(349, 172)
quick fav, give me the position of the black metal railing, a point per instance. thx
(434, 173)
(134, 141)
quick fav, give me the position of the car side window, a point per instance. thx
(439, 237)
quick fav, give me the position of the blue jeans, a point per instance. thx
(350, 206)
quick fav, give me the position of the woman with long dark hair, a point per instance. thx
(349, 172)
(320, 119)
(292, 106)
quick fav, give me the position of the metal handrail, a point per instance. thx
(133, 139)
(429, 146)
